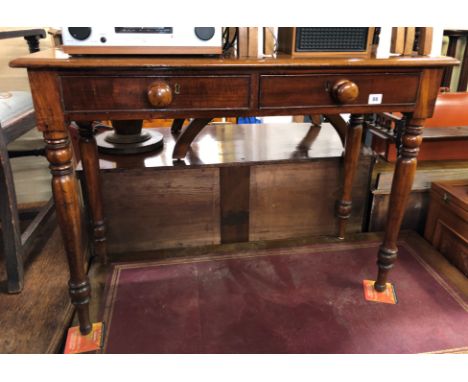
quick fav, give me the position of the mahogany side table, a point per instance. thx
(84, 89)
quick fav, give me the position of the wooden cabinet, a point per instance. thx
(447, 221)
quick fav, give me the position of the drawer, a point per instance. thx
(453, 246)
(285, 91)
(102, 93)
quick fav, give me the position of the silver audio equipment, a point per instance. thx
(142, 40)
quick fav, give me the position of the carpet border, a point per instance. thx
(117, 268)
(246, 254)
(456, 296)
(298, 250)
(109, 304)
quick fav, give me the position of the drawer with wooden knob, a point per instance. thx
(146, 93)
(332, 90)
(447, 221)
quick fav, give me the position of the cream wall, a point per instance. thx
(16, 79)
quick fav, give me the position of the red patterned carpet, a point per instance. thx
(296, 300)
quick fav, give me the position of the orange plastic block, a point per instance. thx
(388, 296)
(91, 343)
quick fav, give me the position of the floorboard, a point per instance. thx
(35, 320)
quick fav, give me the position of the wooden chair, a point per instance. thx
(17, 118)
(445, 134)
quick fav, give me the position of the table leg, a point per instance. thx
(351, 156)
(177, 125)
(90, 161)
(339, 124)
(186, 138)
(401, 186)
(65, 191)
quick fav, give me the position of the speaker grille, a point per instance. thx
(310, 39)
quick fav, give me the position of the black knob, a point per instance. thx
(204, 33)
(80, 33)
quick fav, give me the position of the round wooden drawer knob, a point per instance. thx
(159, 94)
(345, 91)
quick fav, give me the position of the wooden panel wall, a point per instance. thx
(289, 200)
(148, 209)
(167, 208)
(235, 203)
(297, 200)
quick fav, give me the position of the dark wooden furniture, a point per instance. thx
(454, 35)
(418, 202)
(445, 136)
(17, 118)
(238, 183)
(92, 88)
(440, 143)
(447, 221)
(408, 40)
(32, 37)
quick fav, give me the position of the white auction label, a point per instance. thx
(375, 99)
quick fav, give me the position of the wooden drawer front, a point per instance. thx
(281, 91)
(453, 246)
(130, 93)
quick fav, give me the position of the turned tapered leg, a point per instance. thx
(65, 191)
(401, 187)
(352, 150)
(90, 161)
(186, 138)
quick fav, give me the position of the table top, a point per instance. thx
(56, 59)
(224, 144)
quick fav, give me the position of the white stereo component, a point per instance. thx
(142, 40)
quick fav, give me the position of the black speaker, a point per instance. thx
(326, 41)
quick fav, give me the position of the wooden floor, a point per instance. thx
(36, 320)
